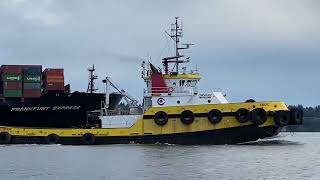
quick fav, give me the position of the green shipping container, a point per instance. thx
(11, 77)
(31, 78)
(12, 93)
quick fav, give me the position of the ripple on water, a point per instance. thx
(284, 157)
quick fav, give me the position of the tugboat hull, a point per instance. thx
(212, 137)
(143, 129)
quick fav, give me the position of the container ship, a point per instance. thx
(30, 97)
(174, 111)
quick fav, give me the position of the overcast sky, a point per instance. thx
(266, 50)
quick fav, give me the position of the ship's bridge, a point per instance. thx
(178, 90)
(179, 83)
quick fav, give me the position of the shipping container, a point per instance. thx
(54, 86)
(12, 85)
(32, 78)
(32, 86)
(35, 70)
(11, 69)
(29, 93)
(11, 77)
(53, 79)
(12, 93)
(53, 72)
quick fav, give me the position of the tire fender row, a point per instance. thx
(86, 139)
(257, 116)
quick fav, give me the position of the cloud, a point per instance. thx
(262, 49)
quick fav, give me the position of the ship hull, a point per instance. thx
(214, 137)
(58, 110)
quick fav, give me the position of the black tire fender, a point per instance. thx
(258, 116)
(52, 139)
(88, 139)
(242, 115)
(187, 117)
(296, 116)
(215, 116)
(161, 118)
(282, 118)
(5, 138)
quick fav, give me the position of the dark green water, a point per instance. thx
(286, 157)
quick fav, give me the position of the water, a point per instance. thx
(286, 157)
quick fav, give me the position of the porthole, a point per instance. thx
(178, 102)
(209, 101)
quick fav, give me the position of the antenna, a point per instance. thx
(92, 77)
(176, 34)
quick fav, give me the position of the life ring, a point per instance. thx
(282, 118)
(187, 117)
(215, 116)
(52, 139)
(258, 116)
(88, 139)
(161, 118)
(5, 138)
(243, 115)
(296, 116)
(170, 89)
(161, 101)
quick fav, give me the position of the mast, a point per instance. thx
(176, 33)
(92, 77)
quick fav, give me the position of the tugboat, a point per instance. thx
(174, 111)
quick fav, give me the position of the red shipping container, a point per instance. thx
(12, 85)
(31, 93)
(54, 79)
(53, 72)
(54, 86)
(11, 69)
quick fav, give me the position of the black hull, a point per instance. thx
(216, 137)
(58, 110)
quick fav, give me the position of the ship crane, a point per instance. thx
(132, 102)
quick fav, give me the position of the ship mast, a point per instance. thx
(92, 77)
(176, 33)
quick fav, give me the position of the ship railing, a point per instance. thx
(211, 90)
(215, 90)
(169, 90)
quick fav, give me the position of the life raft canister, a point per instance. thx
(258, 116)
(187, 117)
(250, 101)
(161, 118)
(88, 139)
(215, 116)
(296, 116)
(52, 139)
(282, 118)
(243, 115)
(5, 138)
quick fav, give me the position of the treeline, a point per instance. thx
(309, 111)
(311, 119)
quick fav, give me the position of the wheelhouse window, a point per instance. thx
(194, 83)
(182, 83)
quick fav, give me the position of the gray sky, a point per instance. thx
(266, 50)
